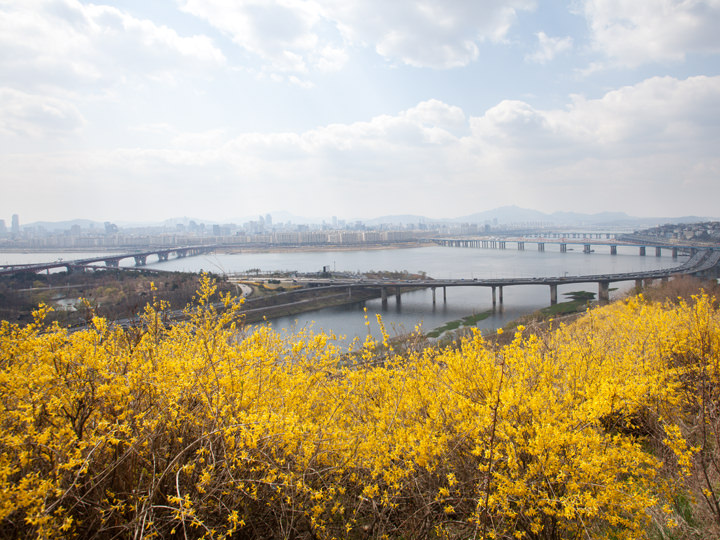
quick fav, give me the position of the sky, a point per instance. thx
(220, 109)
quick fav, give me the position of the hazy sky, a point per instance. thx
(219, 109)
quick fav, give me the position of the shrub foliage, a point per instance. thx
(202, 430)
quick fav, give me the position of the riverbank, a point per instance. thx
(453, 331)
(301, 301)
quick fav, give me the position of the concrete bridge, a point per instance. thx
(110, 260)
(588, 244)
(704, 263)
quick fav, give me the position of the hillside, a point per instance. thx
(606, 427)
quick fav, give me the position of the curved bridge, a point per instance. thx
(110, 260)
(703, 263)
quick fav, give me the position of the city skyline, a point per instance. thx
(141, 111)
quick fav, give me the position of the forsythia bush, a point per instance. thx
(200, 430)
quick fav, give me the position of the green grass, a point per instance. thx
(578, 302)
(470, 320)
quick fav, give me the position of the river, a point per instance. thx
(438, 262)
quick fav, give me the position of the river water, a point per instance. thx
(416, 308)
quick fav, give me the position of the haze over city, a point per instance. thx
(218, 109)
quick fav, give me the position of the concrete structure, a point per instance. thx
(110, 261)
(704, 264)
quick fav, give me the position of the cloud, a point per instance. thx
(426, 34)
(65, 42)
(649, 149)
(549, 48)
(634, 32)
(316, 34)
(283, 32)
(23, 115)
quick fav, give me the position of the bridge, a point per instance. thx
(588, 243)
(110, 260)
(703, 263)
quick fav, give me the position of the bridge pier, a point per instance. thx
(541, 246)
(586, 248)
(494, 299)
(433, 294)
(140, 260)
(502, 244)
(444, 295)
(553, 294)
(639, 284)
(563, 248)
(162, 257)
(613, 250)
(500, 294)
(383, 297)
(521, 246)
(674, 253)
(658, 251)
(642, 251)
(603, 292)
(397, 297)
(112, 263)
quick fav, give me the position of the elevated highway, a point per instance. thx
(703, 263)
(587, 244)
(110, 260)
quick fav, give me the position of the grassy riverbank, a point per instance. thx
(465, 322)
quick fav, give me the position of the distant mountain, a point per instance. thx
(399, 219)
(172, 222)
(594, 219)
(505, 215)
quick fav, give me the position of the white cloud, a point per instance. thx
(633, 32)
(439, 34)
(425, 34)
(64, 42)
(549, 48)
(23, 115)
(282, 32)
(648, 149)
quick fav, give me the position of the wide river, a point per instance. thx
(438, 262)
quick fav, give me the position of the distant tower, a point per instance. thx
(15, 224)
(268, 220)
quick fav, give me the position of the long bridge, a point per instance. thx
(703, 263)
(588, 243)
(110, 260)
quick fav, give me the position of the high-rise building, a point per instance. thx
(15, 224)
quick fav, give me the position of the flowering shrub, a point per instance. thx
(200, 430)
